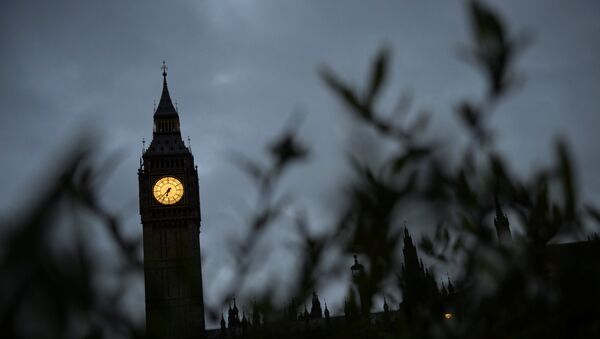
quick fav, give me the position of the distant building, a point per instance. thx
(422, 295)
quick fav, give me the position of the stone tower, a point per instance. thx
(170, 212)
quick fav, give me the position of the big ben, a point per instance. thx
(169, 197)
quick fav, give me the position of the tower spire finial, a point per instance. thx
(165, 105)
(164, 69)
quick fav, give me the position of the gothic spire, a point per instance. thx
(165, 105)
(357, 268)
(450, 287)
(315, 309)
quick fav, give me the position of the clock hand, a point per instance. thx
(167, 192)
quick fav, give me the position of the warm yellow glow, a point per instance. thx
(168, 190)
(448, 315)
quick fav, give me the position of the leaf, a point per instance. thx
(493, 51)
(486, 24)
(378, 75)
(345, 93)
(287, 149)
(470, 115)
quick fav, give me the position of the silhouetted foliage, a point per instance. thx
(53, 283)
(522, 288)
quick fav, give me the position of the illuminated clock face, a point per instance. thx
(168, 190)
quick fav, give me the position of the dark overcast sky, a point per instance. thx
(238, 69)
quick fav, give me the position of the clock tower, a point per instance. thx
(170, 212)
